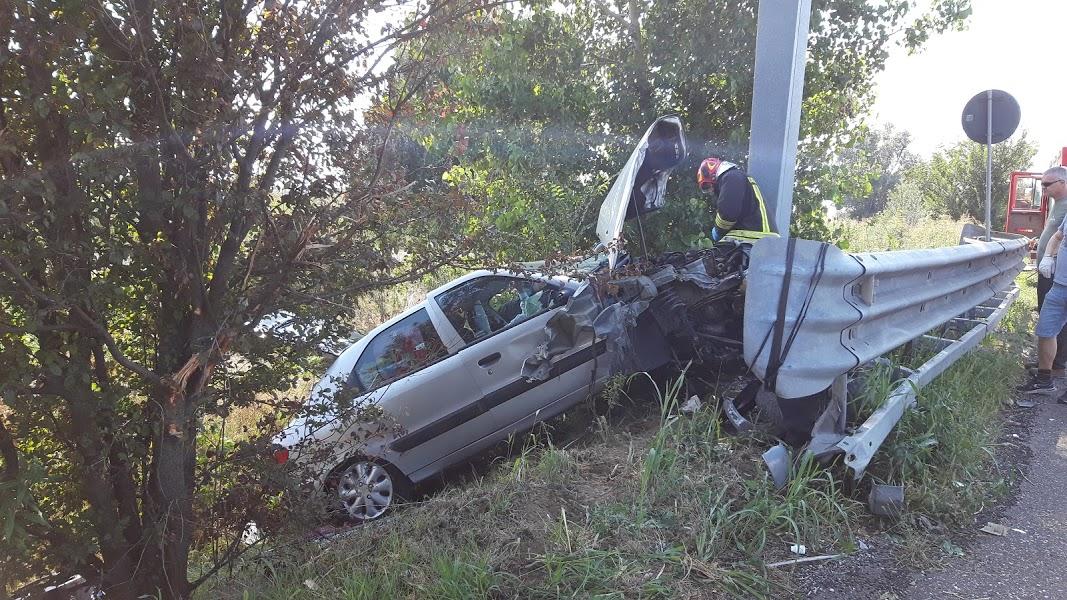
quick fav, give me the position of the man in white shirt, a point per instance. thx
(1053, 314)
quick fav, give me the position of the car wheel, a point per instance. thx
(367, 489)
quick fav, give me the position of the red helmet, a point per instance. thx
(708, 173)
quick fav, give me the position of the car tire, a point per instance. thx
(364, 489)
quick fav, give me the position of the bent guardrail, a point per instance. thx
(814, 312)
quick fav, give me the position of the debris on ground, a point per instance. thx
(691, 406)
(994, 529)
(886, 500)
(806, 559)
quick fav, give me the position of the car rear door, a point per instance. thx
(430, 402)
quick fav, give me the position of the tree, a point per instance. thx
(877, 163)
(954, 181)
(577, 82)
(173, 172)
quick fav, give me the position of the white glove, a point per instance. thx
(1047, 266)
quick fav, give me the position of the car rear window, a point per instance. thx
(400, 350)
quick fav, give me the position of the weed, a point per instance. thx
(461, 578)
(362, 585)
(556, 465)
(658, 469)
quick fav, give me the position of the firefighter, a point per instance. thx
(741, 213)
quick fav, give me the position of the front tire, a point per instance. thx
(367, 489)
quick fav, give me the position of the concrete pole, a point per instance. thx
(777, 91)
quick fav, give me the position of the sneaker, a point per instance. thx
(1056, 373)
(1036, 386)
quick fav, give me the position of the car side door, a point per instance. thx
(502, 320)
(429, 400)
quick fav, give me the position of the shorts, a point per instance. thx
(1053, 312)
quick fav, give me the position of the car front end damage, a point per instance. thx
(676, 308)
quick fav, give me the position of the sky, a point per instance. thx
(1019, 46)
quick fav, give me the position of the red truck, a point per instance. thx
(1028, 204)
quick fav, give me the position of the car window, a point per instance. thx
(1027, 194)
(486, 305)
(400, 350)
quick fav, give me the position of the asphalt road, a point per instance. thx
(1029, 562)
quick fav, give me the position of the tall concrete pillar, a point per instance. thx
(778, 87)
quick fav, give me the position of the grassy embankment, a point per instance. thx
(668, 506)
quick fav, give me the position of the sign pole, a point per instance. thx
(1006, 118)
(989, 164)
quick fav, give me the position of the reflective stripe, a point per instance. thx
(747, 236)
(762, 207)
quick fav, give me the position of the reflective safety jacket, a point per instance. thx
(741, 212)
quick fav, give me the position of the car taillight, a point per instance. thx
(281, 455)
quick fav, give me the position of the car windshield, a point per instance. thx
(484, 306)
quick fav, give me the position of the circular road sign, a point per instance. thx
(1005, 117)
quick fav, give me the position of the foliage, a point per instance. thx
(557, 97)
(173, 174)
(877, 162)
(906, 222)
(953, 181)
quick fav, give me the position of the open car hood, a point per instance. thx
(641, 186)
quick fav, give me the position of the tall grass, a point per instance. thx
(942, 451)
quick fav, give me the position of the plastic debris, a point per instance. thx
(994, 529)
(777, 460)
(1025, 403)
(691, 406)
(951, 549)
(863, 546)
(798, 549)
(806, 559)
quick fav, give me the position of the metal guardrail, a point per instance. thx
(814, 312)
(859, 448)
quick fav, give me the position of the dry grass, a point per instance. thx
(894, 232)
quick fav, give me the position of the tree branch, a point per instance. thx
(9, 453)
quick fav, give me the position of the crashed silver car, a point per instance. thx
(493, 353)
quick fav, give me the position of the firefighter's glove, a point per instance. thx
(1047, 266)
(716, 235)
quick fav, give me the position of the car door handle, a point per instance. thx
(489, 360)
